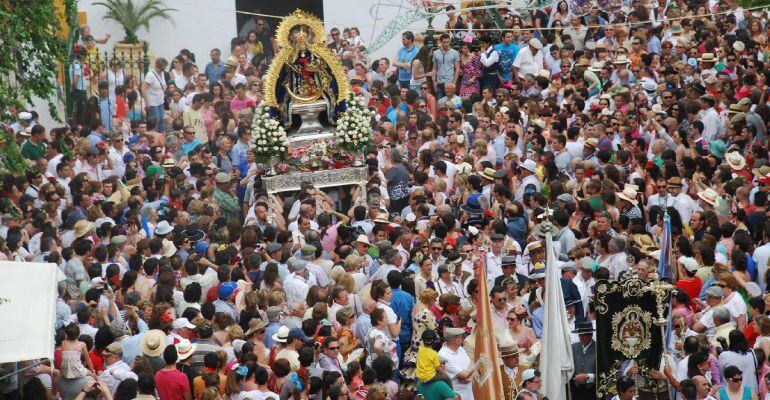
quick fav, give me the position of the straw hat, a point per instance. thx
(597, 66)
(83, 228)
(508, 350)
(707, 57)
(254, 325)
(709, 196)
(761, 171)
(488, 173)
(735, 160)
(169, 163)
(185, 348)
(591, 143)
(622, 59)
(629, 194)
(382, 218)
(153, 343)
(675, 181)
(163, 228)
(168, 249)
(282, 336)
(363, 239)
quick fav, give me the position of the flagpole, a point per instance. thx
(485, 346)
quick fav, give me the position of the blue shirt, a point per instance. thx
(76, 69)
(106, 109)
(238, 153)
(188, 147)
(95, 137)
(499, 145)
(130, 344)
(402, 304)
(507, 55)
(706, 285)
(653, 45)
(214, 72)
(537, 321)
(270, 330)
(226, 307)
(405, 57)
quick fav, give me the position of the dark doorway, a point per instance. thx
(278, 8)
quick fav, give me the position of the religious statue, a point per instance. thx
(305, 79)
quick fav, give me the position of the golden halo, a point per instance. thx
(299, 18)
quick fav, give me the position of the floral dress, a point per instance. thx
(470, 69)
(425, 320)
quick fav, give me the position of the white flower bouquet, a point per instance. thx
(269, 136)
(354, 126)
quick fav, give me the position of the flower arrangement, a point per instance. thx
(354, 127)
(269, 136)
(321, 155)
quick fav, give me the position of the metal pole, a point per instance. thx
(17, 370)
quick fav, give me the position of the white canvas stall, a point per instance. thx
(27, 310)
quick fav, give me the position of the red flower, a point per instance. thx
(166, 318)
(115, 281)
(451, 241)
(488, 213)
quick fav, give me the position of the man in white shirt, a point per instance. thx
(529, 180)
(682, 201)
(115, 370)
(296, 284)
(761, 256)
(709, 116)
(155, 92)
(458, 364)
(584, 280)
(662, 198)
(116, 152)
(529, 60)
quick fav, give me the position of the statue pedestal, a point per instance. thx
(292, 182)
(310, 129)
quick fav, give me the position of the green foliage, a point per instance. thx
(31, 50)
(752, 3)
(134, 14)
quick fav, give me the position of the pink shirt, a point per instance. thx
(237, 104)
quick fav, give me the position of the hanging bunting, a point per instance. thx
(395, 27)
(580, 7)
(610, 6)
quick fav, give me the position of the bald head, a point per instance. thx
(368, 306)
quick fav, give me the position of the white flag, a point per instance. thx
(556, 364)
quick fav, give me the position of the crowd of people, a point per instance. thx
(182, 278)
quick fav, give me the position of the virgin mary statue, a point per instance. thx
(304, 72)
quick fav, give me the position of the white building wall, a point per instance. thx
(199, 26)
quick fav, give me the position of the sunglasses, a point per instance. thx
(334, 348)
(437, 248)
(737, 379)
(512, 319)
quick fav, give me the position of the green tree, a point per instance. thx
(134, 14)
(31, 52)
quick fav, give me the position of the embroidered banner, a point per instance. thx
(629, 317)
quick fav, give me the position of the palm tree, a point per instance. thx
(133, 14)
